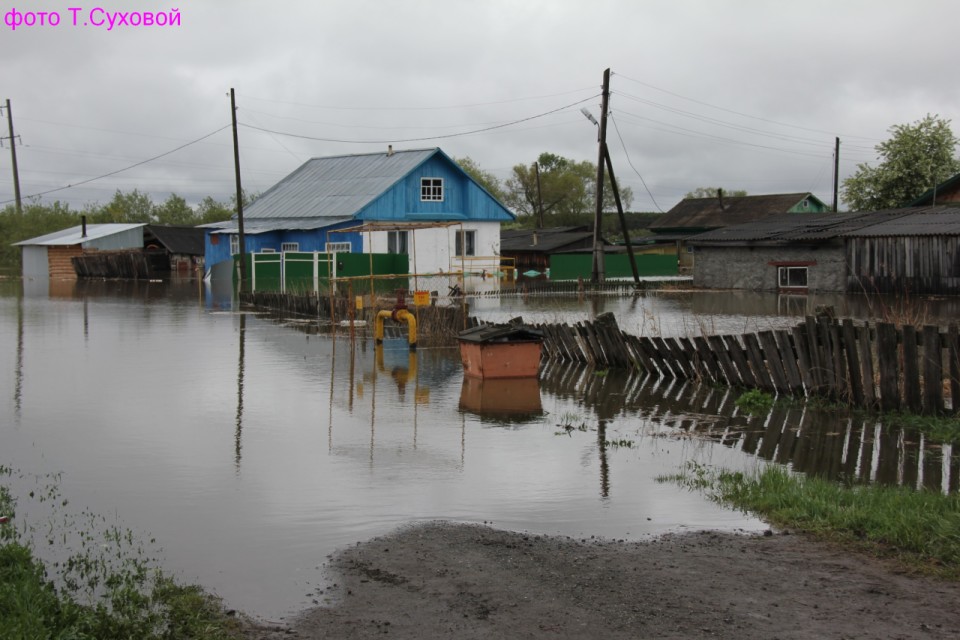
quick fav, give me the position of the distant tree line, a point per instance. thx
(39, 219)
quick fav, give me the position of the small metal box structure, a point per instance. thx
(501, 351)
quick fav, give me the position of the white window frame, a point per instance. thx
(268, 250)
(431, 189)
(784, 277)
(338, 247)
(289, 246)
(234, 244)
(398, 242)
(468, 237)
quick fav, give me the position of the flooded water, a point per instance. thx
(251, 450)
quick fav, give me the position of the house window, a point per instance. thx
(792, 277)
(466, 243)
(397, 242)
(431, 189)
(289, 246)
(338, 247)
(234, 244)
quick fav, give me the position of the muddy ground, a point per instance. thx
(442, 580)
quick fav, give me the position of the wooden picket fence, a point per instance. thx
(879, 366)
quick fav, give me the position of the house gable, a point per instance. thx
(462, 197)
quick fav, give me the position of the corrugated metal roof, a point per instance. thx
(178, 238)
(706, 213)
(74, 235)
(819, 227)
(923, 221)
(335, 187)
(545, 243)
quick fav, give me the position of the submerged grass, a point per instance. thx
(105, 590)
(918, 529)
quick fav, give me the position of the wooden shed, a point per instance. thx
(51, 255)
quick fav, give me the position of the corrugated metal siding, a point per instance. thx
(122, 239)
(35, 262)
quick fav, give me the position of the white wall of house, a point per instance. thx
(434, 248)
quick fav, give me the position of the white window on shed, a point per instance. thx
(431, 189)
(289, 246)
(792, 277)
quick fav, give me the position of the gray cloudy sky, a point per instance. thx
(742, 94)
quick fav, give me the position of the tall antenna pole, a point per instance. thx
(236, 164)
(836, 173)
(598, 273)
(13, 157)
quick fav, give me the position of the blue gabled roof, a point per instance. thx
(336, 187)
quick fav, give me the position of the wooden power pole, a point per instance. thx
(236, 165)
(598, 272)
(13, 158)
(836, 173)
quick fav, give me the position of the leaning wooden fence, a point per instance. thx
(879, 366)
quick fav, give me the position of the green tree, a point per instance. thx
(175, 210)
(916, 157)
(210, 210)
(567, 190)
(486, 179)
(711, 192)
(127, 207)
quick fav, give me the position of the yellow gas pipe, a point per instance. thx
(399, 315)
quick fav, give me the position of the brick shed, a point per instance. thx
(50, 256)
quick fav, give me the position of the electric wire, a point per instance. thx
(739, 113)
(113, 173)
(433, 108)
(630, 162)
(424, 138)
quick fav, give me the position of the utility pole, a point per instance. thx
(536, 169)
(13, 157)
(598, 272)
(236, 164)
(623, 218)
(836, 173)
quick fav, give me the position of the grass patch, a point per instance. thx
(99, 585)
(919, 529)
(755, 402)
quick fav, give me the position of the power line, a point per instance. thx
(627, 153)
(113, 173)
(739, 113)
(422, 139)
(434, 108)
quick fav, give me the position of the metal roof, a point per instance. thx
(923, 221)
(820, 227)
(335, 187)
(710, 213)
(546, 242)
(177, 238)
(74, 235)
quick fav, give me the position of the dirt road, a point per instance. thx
(441, 580)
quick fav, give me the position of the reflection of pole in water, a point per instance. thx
(18, 375)
(604, 465)
(238, 444)
(333, 379)
(378, 362)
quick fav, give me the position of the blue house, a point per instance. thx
(417, 202)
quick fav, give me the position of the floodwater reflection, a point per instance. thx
(250, 449)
